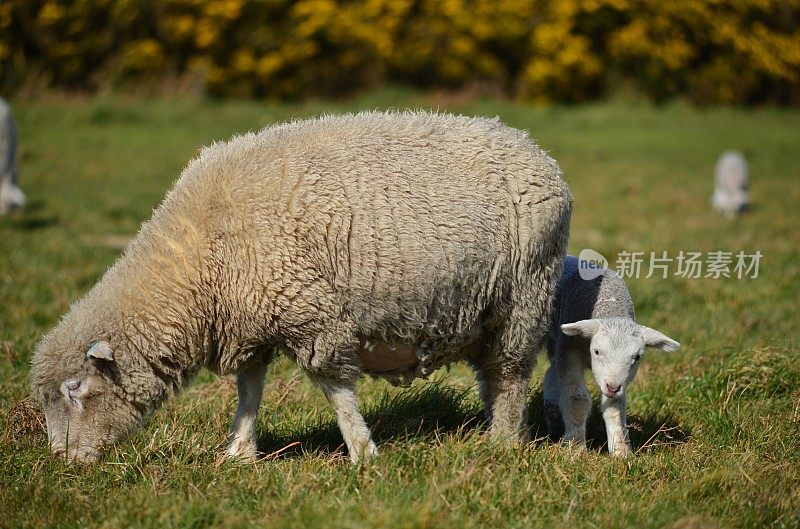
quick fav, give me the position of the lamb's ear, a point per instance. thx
(101, 350)
(653, 338)
(585, 328)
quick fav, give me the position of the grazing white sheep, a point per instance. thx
(593, 327)
(730, 184)
(11, 196)
(385, 243)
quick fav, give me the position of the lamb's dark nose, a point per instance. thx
(612, 390)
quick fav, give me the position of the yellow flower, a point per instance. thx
(206, 34)
(51, 13)
(143, 55)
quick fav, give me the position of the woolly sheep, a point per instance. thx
(593, 326)
(385, 243)
(11, 196)
(730, 184)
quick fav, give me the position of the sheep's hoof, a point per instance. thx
(242, 450)
(622, 450)
(367, 453)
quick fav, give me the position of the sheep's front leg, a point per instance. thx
(357, 436)
(614, 415)
(575, 401)
(250, 386)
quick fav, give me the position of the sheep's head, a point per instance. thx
(616, 348)
(85, 408)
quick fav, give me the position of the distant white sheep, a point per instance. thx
(593, 327)
(385, 243)
(11, 196)
(730, 184)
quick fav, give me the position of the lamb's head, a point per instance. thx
(85, 407)
(616, 348)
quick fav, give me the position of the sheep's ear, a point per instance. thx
(585, 328)
(101, 350)
(653, 338)
(75, 389)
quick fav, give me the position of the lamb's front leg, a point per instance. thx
(250, 386)
(357, 437)
(614, 415)
(575, 401)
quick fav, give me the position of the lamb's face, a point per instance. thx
(616, 352)
(616, 346)
(84, 410)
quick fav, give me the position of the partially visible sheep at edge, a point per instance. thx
(385, 243)
(593, 326)
(730, 184)
(11, 196)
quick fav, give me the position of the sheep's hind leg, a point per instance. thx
(503, 380)
(357, 436)
(507, 398)
(250, 387)
(552, 413)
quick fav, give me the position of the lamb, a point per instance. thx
(730, 184)
(593, 326)
(11, 196)
(382, 243)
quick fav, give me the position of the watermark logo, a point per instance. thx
(591, 264)
(685, 264)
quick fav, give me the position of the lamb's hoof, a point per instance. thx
(572, 443)
(555, 424)
(242, 450)
(365, 454)
(552, 412)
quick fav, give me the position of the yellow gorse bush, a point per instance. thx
(728, 51)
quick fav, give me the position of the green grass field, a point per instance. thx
(716, 425)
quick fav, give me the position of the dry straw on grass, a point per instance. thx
(24, 419)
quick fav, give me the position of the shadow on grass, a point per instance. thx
(34, 216)
(645, 432)
(425, 411)
(434, 410)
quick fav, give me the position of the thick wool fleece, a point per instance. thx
(315, 237)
